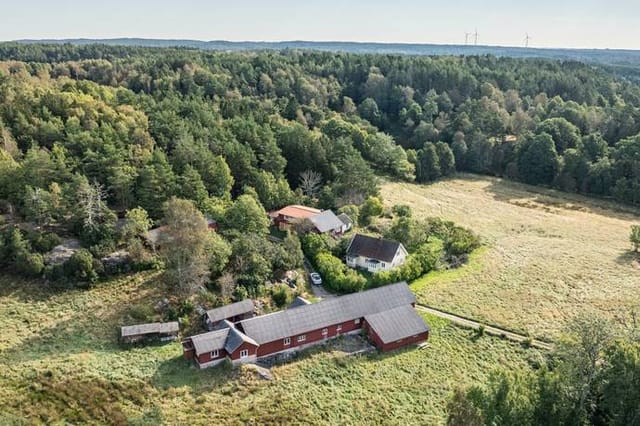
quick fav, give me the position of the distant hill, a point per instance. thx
(617, 57)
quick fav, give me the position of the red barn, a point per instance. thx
(386, 314)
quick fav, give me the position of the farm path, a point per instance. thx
(489, 329)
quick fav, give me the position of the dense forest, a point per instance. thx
(90, 134)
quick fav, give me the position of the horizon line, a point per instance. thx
(405, 43)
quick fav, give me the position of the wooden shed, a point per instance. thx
(162, 331)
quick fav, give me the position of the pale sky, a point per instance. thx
(550, 23)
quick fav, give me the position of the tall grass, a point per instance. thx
(548, 255)
(60, 362)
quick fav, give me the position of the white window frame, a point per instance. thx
(356, 321)
(287, 341)
(244, 353)
(215, 353)
(302, 338)
(339, 328)
(325, 331)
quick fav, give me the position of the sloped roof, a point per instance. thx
(211, 341)
(154, 327)
(227, 338)
(291, 322)
(296, 211)
(223, 324)
(235, 339)
(326, 221)
(299, 301)
(344, 218)
(398, 323)
(232, 310)
(372, 247)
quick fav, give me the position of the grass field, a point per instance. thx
(59, 362)
(547, 257)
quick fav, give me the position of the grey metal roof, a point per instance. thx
(232, 310)
(398, 323)
(154, 327)
(326, 221)
(291, 322)
(223, 324)
(211, 341)
(344, 218)
(299, 301)
(235, 339)
(227, 337)
(372, 247)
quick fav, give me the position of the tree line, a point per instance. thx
(93, 135)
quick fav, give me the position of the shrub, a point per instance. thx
(186, 308)
(54, 272)
(44, 241)
(81, 267)
(103, 249)
(401, 210)
(460, 241)
(372, 207)
(337, 276)
(314, 244)
(281, 295)
(240, 293)
(142, 313)
(29, 264)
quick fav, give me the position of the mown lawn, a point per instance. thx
(547, 257)
(59, 362)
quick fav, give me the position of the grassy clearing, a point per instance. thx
(59, 361)
(548, 255)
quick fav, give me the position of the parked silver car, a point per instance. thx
(316, 279)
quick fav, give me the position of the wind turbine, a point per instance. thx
(466, 38)
(475, 38)
(526, 40)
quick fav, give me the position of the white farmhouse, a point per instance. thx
(375, 254)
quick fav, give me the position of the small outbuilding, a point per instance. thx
(162, 331)
(233, 312)
(347, 222)
(396, 328)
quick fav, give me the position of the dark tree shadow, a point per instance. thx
(548, 199)
(629, 258)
